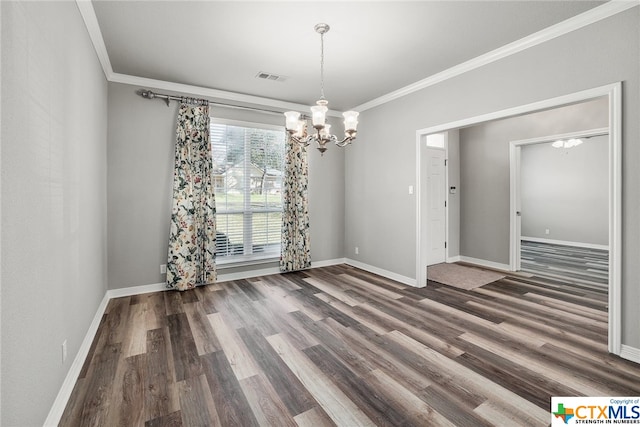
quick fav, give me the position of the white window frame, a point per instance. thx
(247, 258)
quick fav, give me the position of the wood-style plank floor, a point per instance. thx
(340, 346)
(586, 266)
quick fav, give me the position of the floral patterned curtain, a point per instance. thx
(192, 236)
(295, 252)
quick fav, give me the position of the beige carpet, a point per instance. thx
(461, 276)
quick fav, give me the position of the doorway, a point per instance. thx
(565, 207)
(613, 92)
(433, 224)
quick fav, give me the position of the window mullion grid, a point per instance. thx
(248, 215)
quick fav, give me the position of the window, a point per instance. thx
(248, 165)
(435, 140)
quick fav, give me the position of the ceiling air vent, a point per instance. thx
(270, 76)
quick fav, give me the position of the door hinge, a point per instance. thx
(445, 203)
(445, 162)
(445, 245)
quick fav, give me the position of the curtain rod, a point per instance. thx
(199, 101)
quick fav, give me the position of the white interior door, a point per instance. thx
(436, 207)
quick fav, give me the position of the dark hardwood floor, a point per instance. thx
(340, 346)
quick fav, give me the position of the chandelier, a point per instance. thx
(573, 142)
(297, 127)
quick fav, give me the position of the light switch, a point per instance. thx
(411, 189)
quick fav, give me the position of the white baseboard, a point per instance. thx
(57, 409)
(328, 262)
(630, 353)
(380, 272)
(453, 259)
(136, 290)
(248, 274)
(565, 243)
(273, 270)
(485, 263)
(156, 287)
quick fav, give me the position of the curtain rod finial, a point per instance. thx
(146, 93)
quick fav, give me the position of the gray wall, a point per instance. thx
(54, 109)
(382, 164)
(484, 156)
(141, 137)
(566, 191)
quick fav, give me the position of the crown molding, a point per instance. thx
(91, 22)
(596, 14)
(214, 94)
(591, 16)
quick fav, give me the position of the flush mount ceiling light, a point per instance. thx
(573, 142)
(297, 127)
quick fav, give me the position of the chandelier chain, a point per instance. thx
(322, 66)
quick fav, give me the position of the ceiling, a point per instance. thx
(372, 49)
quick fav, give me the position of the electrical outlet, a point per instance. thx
(64, 351)
(163, 268)
(357, 250)
(546, 231)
